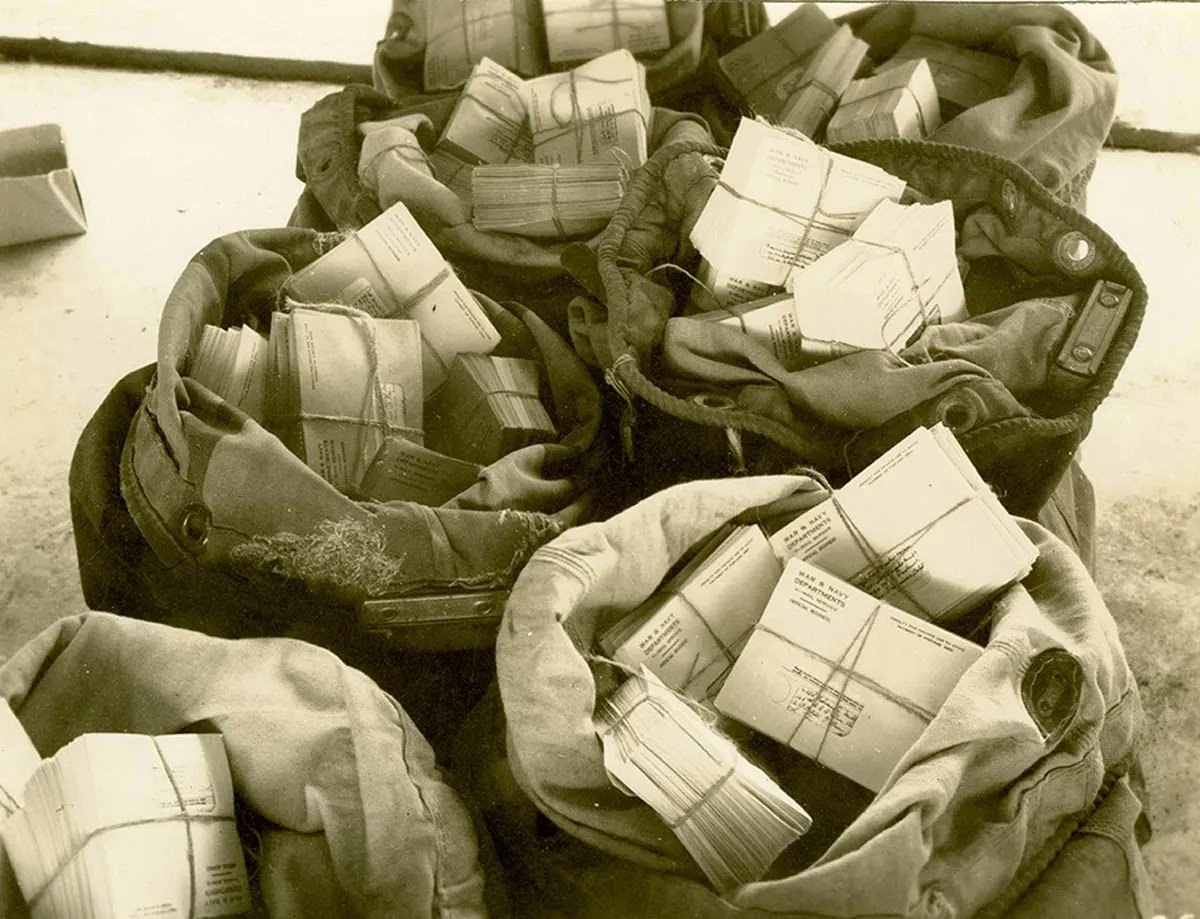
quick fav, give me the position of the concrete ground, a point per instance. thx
(167, 162)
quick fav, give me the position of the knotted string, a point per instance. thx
(188, 820)
(839, 666)
(366, 419)
(512, 139)
(876, 559)
(810, 221)
(577, 124)
(725, 650)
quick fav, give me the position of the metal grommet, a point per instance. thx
(1008, 195)
(194, 525)
(1109, 299)
(1074, 251)
(959, 412)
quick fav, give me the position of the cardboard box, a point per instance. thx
(842, 677)
(39, 198)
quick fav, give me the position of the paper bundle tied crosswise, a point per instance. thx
(19, 760)
(233, 364)
(547, 201)
(342, 383)
(780, 203)
(896, 275)
(579, 30)
(489, 407)
(391, 269)
(460, 34)
(598, 112)
(841, 676)
(690, 632)
(488, 125)
(404, 470)
(121, 826)
(918, 528)
(824, 80)
(731, 816)
(964, 77)
(762, 73)
(900, 101)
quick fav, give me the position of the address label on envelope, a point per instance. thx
(39, 198)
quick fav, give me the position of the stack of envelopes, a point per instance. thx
(918, 528)
(691, 630)
(763, 72)
(546, 201)
(391, 269)
(896, 275)
(233, 364)
(118, 826)
(898, 102)
(459, 34)
(489, 407)
(780, 203)
(825, 78)
(488, 125)
(731, 816)
(842, 677)
(341, 383)
(598, 112)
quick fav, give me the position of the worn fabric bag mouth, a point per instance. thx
(1035, 736)
(502, 265)
(222, 508)
(991, 379)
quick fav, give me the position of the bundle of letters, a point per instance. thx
(781, 202)
(901, 101)
(378, 327)
(849, 654)
(489, 407)
(804, 67)
(579, 30)
(488, 125)
(731, 816)
(122, 826)
(233, 364)
(864, 272)
(596, 116)
(547, 201)
(598, 112)
(461, 33)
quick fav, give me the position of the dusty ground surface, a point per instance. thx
(166, 163)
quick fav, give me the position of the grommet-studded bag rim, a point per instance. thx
(627, 372)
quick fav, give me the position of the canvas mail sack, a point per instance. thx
(1015, 800)
(341, 808)
(187, 510)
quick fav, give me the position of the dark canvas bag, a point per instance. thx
(185, 508)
